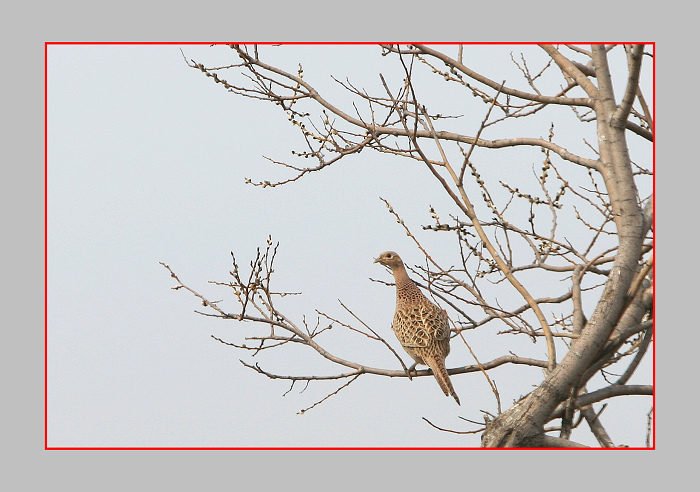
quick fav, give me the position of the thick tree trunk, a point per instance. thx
(523, 424)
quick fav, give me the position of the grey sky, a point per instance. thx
(146, 163)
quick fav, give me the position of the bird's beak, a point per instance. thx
(376, 260)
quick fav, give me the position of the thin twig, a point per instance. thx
(300, 412)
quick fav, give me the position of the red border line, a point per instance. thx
(46, 250)
(141, 43)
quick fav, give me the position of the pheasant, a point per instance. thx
(421, 327)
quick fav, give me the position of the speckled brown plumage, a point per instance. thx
(421, 327)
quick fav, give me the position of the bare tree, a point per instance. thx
(605, 259)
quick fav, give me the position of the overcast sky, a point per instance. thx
(147, 161)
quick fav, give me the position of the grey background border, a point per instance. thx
(30, 26)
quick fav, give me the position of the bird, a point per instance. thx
(421, 327)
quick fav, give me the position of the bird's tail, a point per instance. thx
(443, 379)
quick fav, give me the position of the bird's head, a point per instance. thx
(389, 259)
